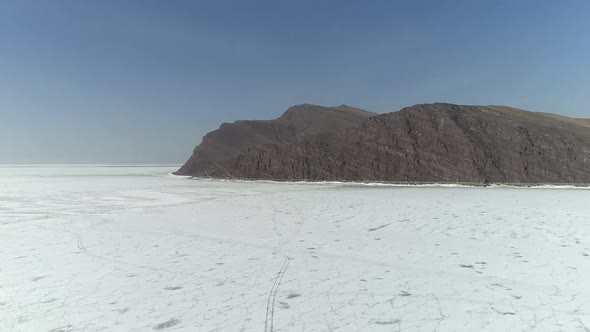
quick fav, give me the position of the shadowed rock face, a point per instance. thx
(422, 143)
(231, 140)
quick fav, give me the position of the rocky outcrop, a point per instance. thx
(218, 148)
(422, 143)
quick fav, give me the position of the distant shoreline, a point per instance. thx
(91, 165)
(403, 184)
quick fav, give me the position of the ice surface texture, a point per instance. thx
(133, 249)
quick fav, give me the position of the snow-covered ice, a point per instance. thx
(134, 249)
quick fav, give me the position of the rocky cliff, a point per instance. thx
(422, 143)
(214, 156)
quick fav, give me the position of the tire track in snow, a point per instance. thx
(270, 303)
(272, 295)
(83, 249)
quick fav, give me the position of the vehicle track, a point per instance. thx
(270, 303)
(272, 295)
(83, 249)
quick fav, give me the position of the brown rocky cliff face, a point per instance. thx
(430, 143)
(234, 139)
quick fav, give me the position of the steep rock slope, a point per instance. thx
(429, 143)
(231, 140)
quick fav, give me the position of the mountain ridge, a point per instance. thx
(437, 142)
(232, 139)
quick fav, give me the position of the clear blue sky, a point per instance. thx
(142, 81)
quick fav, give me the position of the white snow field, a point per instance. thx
(135, 249)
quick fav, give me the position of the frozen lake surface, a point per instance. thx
(134, 249)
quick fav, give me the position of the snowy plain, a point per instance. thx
(95, 248)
